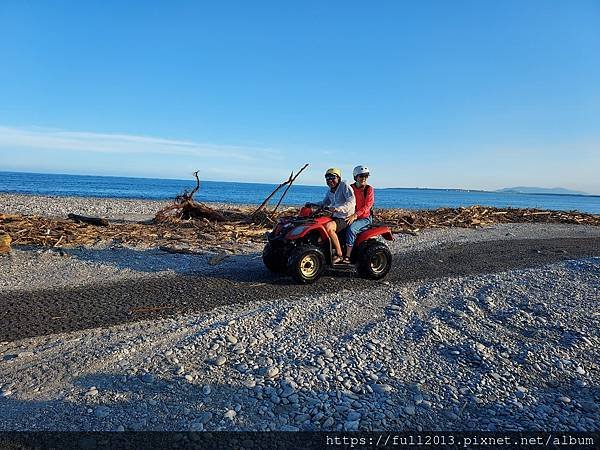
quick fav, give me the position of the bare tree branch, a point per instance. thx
(288, 187)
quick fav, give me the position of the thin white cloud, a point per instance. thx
(89, 142)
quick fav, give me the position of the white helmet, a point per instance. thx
(360, 170)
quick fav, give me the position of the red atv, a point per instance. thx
(301, 247)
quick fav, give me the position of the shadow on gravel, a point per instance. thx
(33, 313)
(138, 402)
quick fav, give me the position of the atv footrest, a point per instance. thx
(343, 266)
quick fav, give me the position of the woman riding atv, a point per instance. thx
(363, 216)
(340, 200)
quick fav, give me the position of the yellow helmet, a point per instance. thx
(334, 171)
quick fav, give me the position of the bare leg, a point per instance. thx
(331, 227)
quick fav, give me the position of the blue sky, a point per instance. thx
(461, 94)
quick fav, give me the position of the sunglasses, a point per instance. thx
(330, 177)
(364, 175)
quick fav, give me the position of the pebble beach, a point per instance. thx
(513, 347)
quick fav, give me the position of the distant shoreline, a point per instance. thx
(515, 190)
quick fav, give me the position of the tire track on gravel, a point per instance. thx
(34, 313)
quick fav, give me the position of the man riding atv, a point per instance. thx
(340, 200)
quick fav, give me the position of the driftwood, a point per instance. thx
(195, 236)
(5, 241)
(91, 220)
(259, 215)
(288, 188)
(406, 221)
(186, 208)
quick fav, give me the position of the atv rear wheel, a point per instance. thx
(306, 264)
(375, 260)
(274, 258)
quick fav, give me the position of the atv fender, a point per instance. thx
(301, 231)
(384, 232)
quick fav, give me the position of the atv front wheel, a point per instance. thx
(306, 264)
(375, 260)
(274, 258)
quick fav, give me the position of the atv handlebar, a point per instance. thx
(318, 210)
(319, 207)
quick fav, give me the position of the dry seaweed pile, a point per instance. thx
(171, 234)
(405, 221)
(240, 227)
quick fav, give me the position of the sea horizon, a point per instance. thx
(192, 181)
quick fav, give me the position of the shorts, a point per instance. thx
(340, 224)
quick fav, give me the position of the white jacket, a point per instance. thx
(342, 200)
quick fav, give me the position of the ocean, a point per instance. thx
(255, 193)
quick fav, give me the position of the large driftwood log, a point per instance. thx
(90, 220)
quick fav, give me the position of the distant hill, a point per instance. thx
(540, 190)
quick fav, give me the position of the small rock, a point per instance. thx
(353, 416)
(382, 388)
(272, 372)
(205, 417)
(196, 426)
(287, 391)
(231, 339)
(102, 411)
(220, 360)
(230, 414)
(301, 418)
(148, 378)
(351, 425)
(92, 392)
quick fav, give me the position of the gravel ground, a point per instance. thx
(511, 351)
(456, 347)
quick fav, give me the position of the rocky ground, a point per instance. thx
(513, 348)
